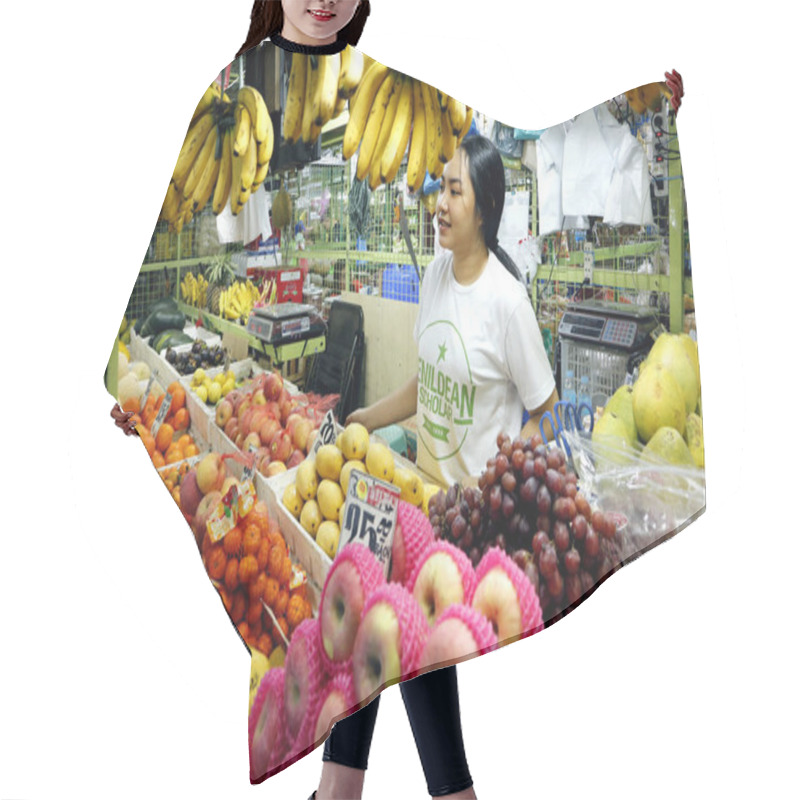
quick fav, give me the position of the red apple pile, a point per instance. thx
(266, 418)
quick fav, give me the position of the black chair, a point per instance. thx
(339, 369)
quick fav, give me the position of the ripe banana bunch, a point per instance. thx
(194, 290)
(225, 154)
(319, 88)
(237, 301)
(391, 113)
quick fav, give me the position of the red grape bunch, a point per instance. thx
(457, 517)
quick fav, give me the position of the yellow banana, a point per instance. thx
(266, 147)
(329, 81)
(442, 99)
(374, 123)
(261, 174)
(339, 108)
(249, 166)
(192, 145)
(198, 168)
(242, 131)
(433, 121)
(385, 133)
(448, 146)
(293, 113)
(417, 154)
(457, 113)
(257, 108)
(351, 72)
(395, 148)
(236, 174)
(207, 100)
(205, 186)
(360, 107)
(223, 186)
(316, 70)
(169, 210)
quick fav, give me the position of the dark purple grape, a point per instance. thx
(449, 516)
(587, 581)
(610, 528)
(539, 467)
(518, 460)
(501, 437)
(527, 469)
(500, 465)
(555, 585)
(475, 556)
(548, 560)
(573, 587)
(554, 481)
(500, 541)
(495, 498)
(491, 476)
(540, 451)
(543, 523)
(482, 481)
(506, 448)
(467, 540)
(464, 509)
(583, 506)
(579, 527)
(570, 490)
(598, 520)
(524, 529)
(572, 561)
(528, 491)
(475, 518)
(517, 443)
(540, 539)
(561, 536)
(520, 558)
(509, 505)
(553, 461)
(513, 525)
(543, 500)
(452, 495)
(591, 544)
(458, 527)
(564, 508)
(509, 482)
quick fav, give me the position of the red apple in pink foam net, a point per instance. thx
(297, 457)
(232, 428)
(268, 428)
(280, 447)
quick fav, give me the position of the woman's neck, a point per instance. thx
(293, 34)
(468, 266)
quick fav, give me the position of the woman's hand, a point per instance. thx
(122, 419)
(675, 85)
(360, 415)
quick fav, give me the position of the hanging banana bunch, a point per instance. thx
(225, 155)
(392, 113)
(319, 88)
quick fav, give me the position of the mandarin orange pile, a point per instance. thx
(250, 564)
(171, 444)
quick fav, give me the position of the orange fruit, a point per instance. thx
(254, 614)
(148, 440)
(164, 437)
(173, 455)
(176, 495)
(158, 460)
(157, 402)
(232, 541)
(295, 613)
(262, 556)
(281, 603)
(232, 574)
(178, 396)
(244, 630)
(184, 441)
(191, 450)
(275, 562)
(271, 590)
(181, 421)
(256, 588)
(264, 644)
(216, 562)
(248, 569)
(251, 540)
(131, 404)
(239, 606)
(286, 571)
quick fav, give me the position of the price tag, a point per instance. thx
(236, 504)
(370, 515)
(326, 433)
(162, 413)
(247, 472)
(588, 261)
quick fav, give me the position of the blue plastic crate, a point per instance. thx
(400, 282)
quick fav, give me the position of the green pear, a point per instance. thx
(621, 404)
(667, 444)
(657, 401)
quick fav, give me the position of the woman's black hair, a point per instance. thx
(266, 19)
(488, 177)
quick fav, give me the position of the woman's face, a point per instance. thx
(459, 224)
(316, 21)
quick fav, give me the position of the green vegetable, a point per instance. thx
(162, 320)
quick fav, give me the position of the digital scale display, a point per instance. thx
(286, 322)
(617, 325)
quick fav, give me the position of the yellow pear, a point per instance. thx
(410, 485)
(277, 657)
(657, 402)
(306, 480)
(310, 517)
(670, 351)
(259, 664)
(328, 537)
(329, 462)
(667, 444)
(355, 442)
(293, 501)
(380, 461)
(621, 404)
(330, 498)
(694, 438)
(344, 477)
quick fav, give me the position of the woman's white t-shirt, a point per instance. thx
(481, 363)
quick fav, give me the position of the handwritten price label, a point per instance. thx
(247, 472)
(162, 413)
(370, 516)
(326, 434)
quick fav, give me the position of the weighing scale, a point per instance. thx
(286, 323)
(620, 326)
